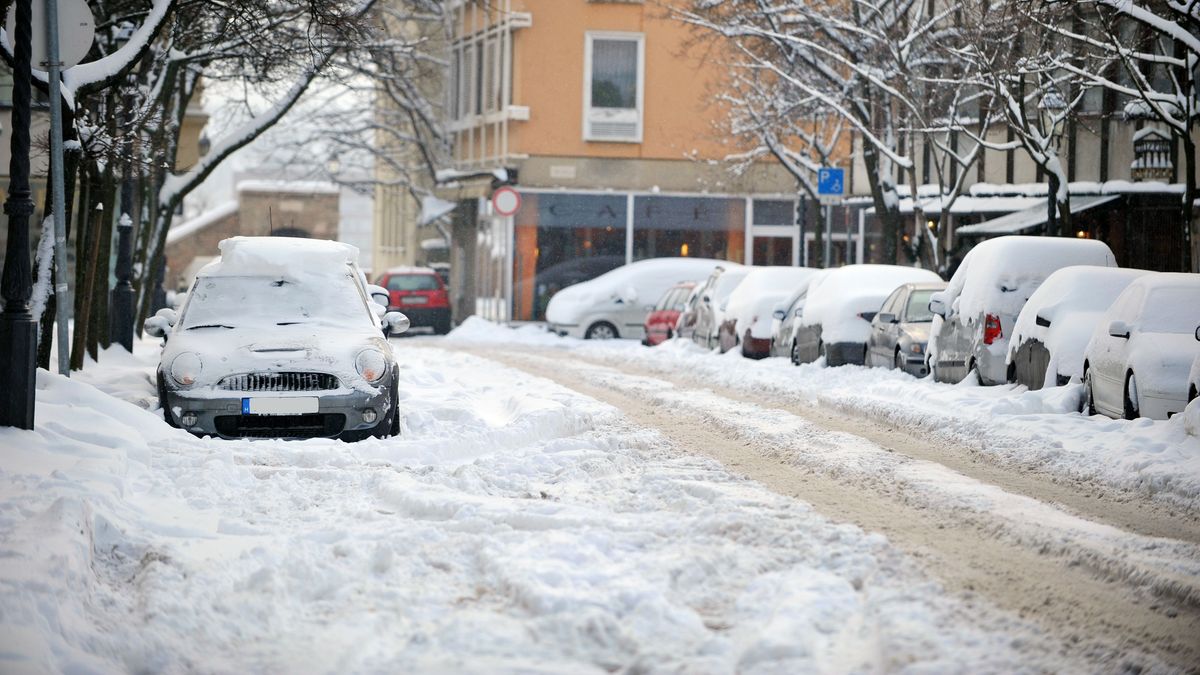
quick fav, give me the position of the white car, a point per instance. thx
(279, 337)
(748, 312)
(1137, 362)
(615, 304)
(976, 313)
(1053, 329)
(785, 314)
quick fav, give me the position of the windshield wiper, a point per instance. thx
(210, 325)
(288, 323)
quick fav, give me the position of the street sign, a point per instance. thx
(506, 201)
(831, 182)
(76, 30)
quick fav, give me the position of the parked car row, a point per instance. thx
(1036, 311)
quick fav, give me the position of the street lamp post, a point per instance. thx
(18, 330)
(120, 322)
(1052, 113)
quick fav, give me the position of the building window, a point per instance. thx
(613, 83)
(689, 227)
(562, 239)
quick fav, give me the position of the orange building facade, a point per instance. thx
(603, 116)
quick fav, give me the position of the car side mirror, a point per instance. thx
(706, 299)
(379, 294)
(156, 326)
(886, 317)
(395, 323)
(937, 304)
(779, 314)
(868, 316)
(167, 314)
(1042, 321)
(1197, 333)
(1119, 329)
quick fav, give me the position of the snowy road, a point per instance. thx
(570, 510)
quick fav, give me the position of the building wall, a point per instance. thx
(261, 211)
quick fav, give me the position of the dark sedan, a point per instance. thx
(900, 331)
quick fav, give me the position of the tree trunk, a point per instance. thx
(86, 249)
(1191, 252)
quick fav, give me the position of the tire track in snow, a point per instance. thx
(1089, 583)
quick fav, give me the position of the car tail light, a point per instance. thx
(991, 329)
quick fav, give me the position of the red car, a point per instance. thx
(660, 322)
(420, 293)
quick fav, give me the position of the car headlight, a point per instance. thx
(186, 368)
(371, 364)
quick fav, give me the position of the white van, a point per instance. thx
(975, 315)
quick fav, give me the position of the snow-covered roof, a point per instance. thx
(1034, 216)
(190, 227)
(434, 244)
(283, 256)
(288, 186)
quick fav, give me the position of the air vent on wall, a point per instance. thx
(619, 131)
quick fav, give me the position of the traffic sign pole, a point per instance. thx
(58, 189)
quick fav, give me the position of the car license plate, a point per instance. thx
(414, 300)
(292, 405)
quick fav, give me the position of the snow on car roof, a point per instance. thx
(762, 289)
(999, 275)
(279, 256)
(846, 291)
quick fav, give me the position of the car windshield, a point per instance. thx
(412, 282)
(917, 310)
(1171, 310)
(235, 302)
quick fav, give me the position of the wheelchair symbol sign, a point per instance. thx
(831, 181)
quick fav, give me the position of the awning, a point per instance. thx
(1030, 218)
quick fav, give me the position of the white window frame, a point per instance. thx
(588, 114)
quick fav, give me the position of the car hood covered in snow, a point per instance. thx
(751, 304)
(845, 292)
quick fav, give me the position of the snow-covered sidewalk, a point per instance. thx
(1033, 430)
(515, 526)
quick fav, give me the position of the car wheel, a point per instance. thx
(1192, 393)
(898, 362)
(1089, 396)
(670, 334)
(441, 327)
(794, 356)
(601, 330)
(973, 367)
(162, 402)
(1131, 397)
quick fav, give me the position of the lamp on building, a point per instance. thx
(203, 145)
(1052, 114)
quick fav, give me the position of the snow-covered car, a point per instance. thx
(976, 313)
(836, 321)
(748, 312)
(615, 304)
(660, 322)
(1054, 327)
(279, 337)
(711, 306)
(784, 317)
(1137, 362)
(900, 331)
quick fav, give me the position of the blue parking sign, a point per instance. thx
(831, 181)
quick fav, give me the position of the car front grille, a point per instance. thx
(279, 382)
(318, 425)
